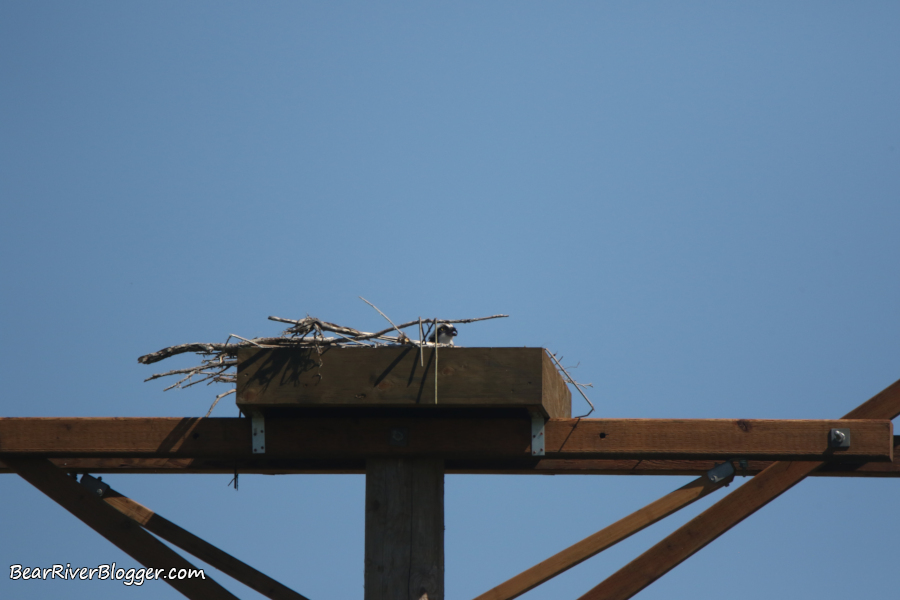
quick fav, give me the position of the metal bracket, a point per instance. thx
(258, 424)
(839, 438)
(537, 434)
(94, 484)
(720, 472)
(399, 436)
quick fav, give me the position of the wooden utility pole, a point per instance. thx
(404, 529)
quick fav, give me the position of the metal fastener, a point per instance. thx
(839, 438)
(399, 436)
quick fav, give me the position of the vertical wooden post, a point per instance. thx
(404, 529)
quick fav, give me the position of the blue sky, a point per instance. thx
(696, 201)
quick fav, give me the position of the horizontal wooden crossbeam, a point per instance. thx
(547, 466)
(476, 441)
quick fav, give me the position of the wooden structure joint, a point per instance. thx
(405, 478)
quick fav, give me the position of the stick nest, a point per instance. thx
(219, 360)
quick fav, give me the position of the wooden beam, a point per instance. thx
(710, 438)
(883, 405)
(297, 378)
(700, 531)
(114, 526)
(203, 550)
(726, 513)
(477, 440)
(603, 539)
(404, 546)
(545, 466)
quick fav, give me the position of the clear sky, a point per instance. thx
(697, 201)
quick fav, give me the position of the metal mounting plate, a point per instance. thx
(537, 434)
(720, 472)
(258, 424)
(94, 484)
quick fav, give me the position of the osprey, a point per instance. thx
(445, 334)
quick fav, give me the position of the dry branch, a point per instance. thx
(401, 334)
(578, 386)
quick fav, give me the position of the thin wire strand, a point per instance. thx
(436, 344)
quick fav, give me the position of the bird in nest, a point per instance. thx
(445, 334)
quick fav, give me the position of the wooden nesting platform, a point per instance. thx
(398, 377)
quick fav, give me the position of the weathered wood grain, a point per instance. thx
(404, 541)
(393, 377)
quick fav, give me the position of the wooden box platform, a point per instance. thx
(392, 376)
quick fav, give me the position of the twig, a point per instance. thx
(381, 313)
(153, 357)
(211, 348)
(351, 340)
(577, 385)
(304, 326)
(367, 336)
(207, 377)
(219, 397)
(231, 335)
(181, 371)
(472, 320)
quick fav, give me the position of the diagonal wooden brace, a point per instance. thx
(603, 539)
(114, 526)
(203, 550)
(728, 512)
